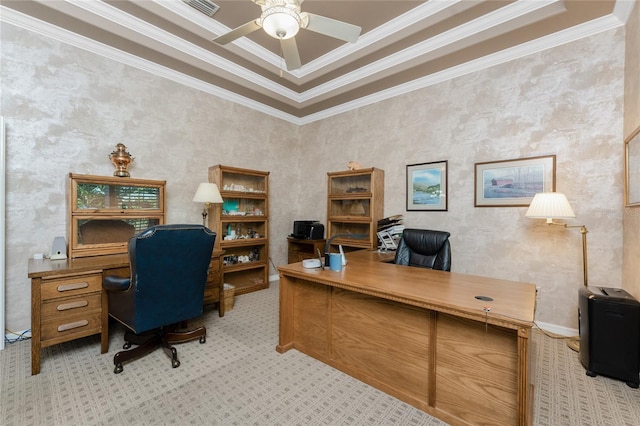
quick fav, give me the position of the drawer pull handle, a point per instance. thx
(74, 286)
(72, 305)
(72, 325)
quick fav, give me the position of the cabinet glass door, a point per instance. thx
(92, 196)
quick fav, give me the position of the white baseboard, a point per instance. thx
(275, 277)
(557, 329)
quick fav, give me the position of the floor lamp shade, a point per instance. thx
(550, 205)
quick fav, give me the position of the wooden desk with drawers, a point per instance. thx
(68, 302)
(417, 334)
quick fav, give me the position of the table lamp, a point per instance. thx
(208, 194)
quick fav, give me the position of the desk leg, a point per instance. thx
(286, 314)
(525, 416)
(35, 325)
(221, 305)
(104, 323)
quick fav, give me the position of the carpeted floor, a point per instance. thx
(237, 378)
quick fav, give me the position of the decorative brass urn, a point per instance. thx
(121, 159)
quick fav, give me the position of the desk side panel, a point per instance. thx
(386, 341)
(476, 371)
(311, 318)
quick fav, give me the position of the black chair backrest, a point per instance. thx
(169, 267)
(424, 248)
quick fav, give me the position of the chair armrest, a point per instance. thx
(115, 283)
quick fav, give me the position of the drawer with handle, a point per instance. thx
(70, 306)
(71, 286)
(61, 327)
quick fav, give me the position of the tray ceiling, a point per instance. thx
(404, 45)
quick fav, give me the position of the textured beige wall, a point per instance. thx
(566, 101)
(631, 259)
(66, 109)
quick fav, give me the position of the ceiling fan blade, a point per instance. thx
(241, 31)
(290, 53)
(333, 28)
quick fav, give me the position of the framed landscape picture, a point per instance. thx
(511, 183)
(427, 186)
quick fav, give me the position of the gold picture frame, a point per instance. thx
(513, 183)
(632, 169)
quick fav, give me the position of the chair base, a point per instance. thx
(152, 340)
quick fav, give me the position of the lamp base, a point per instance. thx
(574, 344)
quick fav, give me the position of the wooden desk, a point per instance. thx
(417, 334)
(68, 302)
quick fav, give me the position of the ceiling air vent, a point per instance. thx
(203, 6)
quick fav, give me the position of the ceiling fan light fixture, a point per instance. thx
(280, 22)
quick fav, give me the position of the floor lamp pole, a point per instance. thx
(583, 231)
(574, 343)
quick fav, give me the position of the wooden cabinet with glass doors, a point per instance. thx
(242, 222)
(104, 212)
(355, 205)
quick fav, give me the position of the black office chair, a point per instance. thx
(424, 248)
(169, 266)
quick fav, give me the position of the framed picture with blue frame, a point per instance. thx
(427, 186)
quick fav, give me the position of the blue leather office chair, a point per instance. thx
(424, 248)
(169, 266)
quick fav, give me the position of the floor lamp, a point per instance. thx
(554, 205)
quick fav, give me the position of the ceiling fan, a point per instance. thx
(282, 19)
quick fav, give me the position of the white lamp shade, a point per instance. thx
(280, 22)
(208, 193)
(550, 205)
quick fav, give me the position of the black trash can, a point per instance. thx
(609, 322)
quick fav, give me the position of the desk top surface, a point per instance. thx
(42, 268)
(45, 267)
(369, 272)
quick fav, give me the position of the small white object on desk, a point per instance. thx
(344, 259)
(311, 263)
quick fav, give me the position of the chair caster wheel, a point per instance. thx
(126, 345)
(175, 363)
(203, 339)
(118, 369)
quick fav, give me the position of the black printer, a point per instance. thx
(308, 230)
